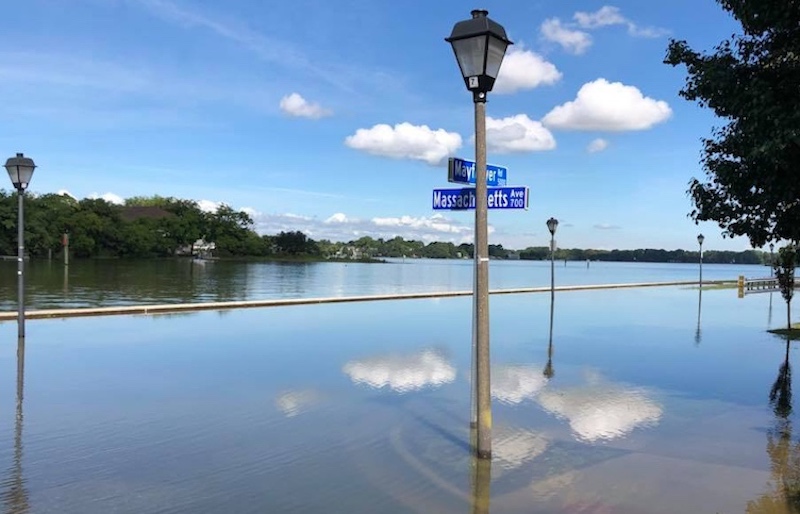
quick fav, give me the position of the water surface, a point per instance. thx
(657, 401)
(131, 282)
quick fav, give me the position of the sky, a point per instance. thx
(337, 118)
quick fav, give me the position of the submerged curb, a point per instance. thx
(192, 307)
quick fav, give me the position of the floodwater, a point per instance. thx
(653, 400)
(93, 283)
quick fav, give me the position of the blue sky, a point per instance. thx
(336, 118)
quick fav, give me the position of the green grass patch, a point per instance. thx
(790, 333)
(726, 285)
(713, 287)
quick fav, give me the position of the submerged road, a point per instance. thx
(205, 306)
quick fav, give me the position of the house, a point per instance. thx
(203, 249)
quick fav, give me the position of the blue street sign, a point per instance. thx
(462, 171)
(514, 197)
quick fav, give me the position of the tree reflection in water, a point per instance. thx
(784, 454)
(14, 495)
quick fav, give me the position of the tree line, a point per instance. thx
(163, 226)
(142, 227)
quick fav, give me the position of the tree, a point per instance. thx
(293, 243)
(784, 272)
(751, 81)
(229, 229)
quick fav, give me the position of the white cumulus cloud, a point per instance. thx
(406, 141)
(436, 224)
(402, 373)
(108, 197)
(606, 15)
(609, 15)
(338, 217)
(517, 134)
(597, 145)
(340, 227)
(296, 105)
(571, 40)
(608, 106)
(523, 69)
(208, 205)
(64, 192)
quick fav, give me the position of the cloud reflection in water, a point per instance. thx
(602, 411)
(514, 384)
(514, 447)
(292, 403)
(402, 373)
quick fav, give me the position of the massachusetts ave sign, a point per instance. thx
(515, 197)
(462, 171)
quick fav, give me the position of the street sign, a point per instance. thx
(462, 171)
(513, 197)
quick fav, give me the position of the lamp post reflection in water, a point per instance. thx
(481, 485)
(769, 312)
(549, 372)
(699, 307)
(15, 496)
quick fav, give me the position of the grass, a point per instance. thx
(714, 287)
(790, 333)
(726, 285)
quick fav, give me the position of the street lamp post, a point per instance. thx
(700, 239)
(479, 44)
(20, 170)
(771, 259)
(552, 225)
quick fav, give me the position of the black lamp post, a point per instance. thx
(20, 171)
(552, 225)
(771, 259)
(700, 239)
(479, 45)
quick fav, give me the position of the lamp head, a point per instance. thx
(479, 44)
(552, 225)
(20, 171)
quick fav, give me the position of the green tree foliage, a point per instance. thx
(165, 226)
(498, 252)
(144, 227)
(437, 250)
(751, 81)
(295, 243)
(784, 271)
(645, 255)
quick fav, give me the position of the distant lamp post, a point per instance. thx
(700, 239)
(771, 259)
(552, 225)
(20, 171)
(479, 45)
